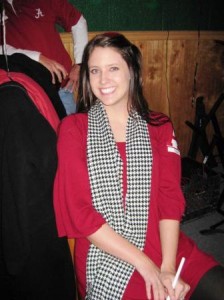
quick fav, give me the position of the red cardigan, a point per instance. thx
(76, 217)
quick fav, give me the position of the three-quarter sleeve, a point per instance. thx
(171, 202)
(75, 214)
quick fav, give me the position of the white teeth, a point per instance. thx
(107, 90)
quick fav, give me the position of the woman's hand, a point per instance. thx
(73, 79)
(180, 290)
(151, 275)
(56, 69)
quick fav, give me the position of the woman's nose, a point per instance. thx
(104, 77)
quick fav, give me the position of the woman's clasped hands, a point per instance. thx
(180, 290)
(159, 284)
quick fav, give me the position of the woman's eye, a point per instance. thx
(93, 71)
(114, 68)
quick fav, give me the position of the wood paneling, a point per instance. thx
(169, 64)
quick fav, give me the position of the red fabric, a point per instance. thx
(37, 95)
(33, 27)
(76, 217)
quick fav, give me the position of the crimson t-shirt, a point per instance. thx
(32, 27)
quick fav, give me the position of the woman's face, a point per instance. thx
(109, 77)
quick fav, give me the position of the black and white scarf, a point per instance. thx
(107, 276)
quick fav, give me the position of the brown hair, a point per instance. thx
(132, 56)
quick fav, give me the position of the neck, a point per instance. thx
(118, 122)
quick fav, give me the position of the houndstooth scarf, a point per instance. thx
(107, 276)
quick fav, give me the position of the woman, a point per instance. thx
(117, 188)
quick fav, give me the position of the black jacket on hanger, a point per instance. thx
(34, 263)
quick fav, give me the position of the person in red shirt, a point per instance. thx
(31, 26)
(117, 188)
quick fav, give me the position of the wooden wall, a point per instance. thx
(169, 69)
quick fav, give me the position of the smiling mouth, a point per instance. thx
(107, 90)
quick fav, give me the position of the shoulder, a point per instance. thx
(158, 118)
(162, 133)
(64, 7)
(75, 123)
(160, 124)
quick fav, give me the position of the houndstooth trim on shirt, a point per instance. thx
(107, 276)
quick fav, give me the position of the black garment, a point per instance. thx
(211, 285)
(34, 263)
(23, 64)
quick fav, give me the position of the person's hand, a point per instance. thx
(151, 275)
(73, 79)
(180, 290)
(56, 69)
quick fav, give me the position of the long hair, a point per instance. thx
(131, 55)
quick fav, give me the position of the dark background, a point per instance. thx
(137, 15)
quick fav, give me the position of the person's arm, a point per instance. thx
(80, 39)
(171, 205)
(56, 69)
(169, 236)
(106, 239)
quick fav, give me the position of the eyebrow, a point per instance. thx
(109, 65)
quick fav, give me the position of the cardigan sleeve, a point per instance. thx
(171, 202)
(75, 214)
